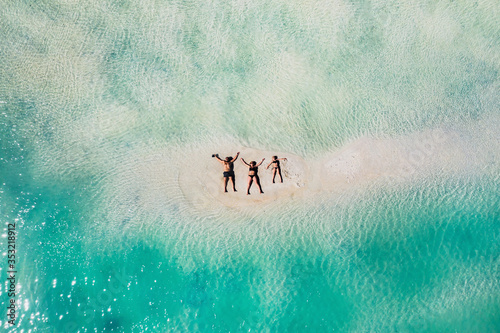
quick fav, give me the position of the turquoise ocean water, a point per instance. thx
(100, 99)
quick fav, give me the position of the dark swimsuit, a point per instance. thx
(276, 164)
(253, 169)
(228, 173)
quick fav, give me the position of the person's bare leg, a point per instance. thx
(225, 183)
(250, 180)
(234, 185)
(257, 180)
(274, 174)
(281, 177)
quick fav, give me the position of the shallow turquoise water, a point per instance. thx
(88, 89)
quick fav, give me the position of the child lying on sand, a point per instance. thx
(276, 166)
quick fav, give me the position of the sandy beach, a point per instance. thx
(359, 163)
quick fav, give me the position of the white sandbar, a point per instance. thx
(203, 183)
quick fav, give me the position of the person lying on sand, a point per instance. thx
(253, 168)
(276, 166)
(228, 169)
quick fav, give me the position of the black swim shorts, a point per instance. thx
(228, 173)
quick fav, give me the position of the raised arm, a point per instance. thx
(243, 161)
(217, 157)
(284, 159)
(236, 157)
(260, 162)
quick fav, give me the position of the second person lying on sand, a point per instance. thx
(253, 168)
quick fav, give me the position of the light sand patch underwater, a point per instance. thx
(154, 182)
